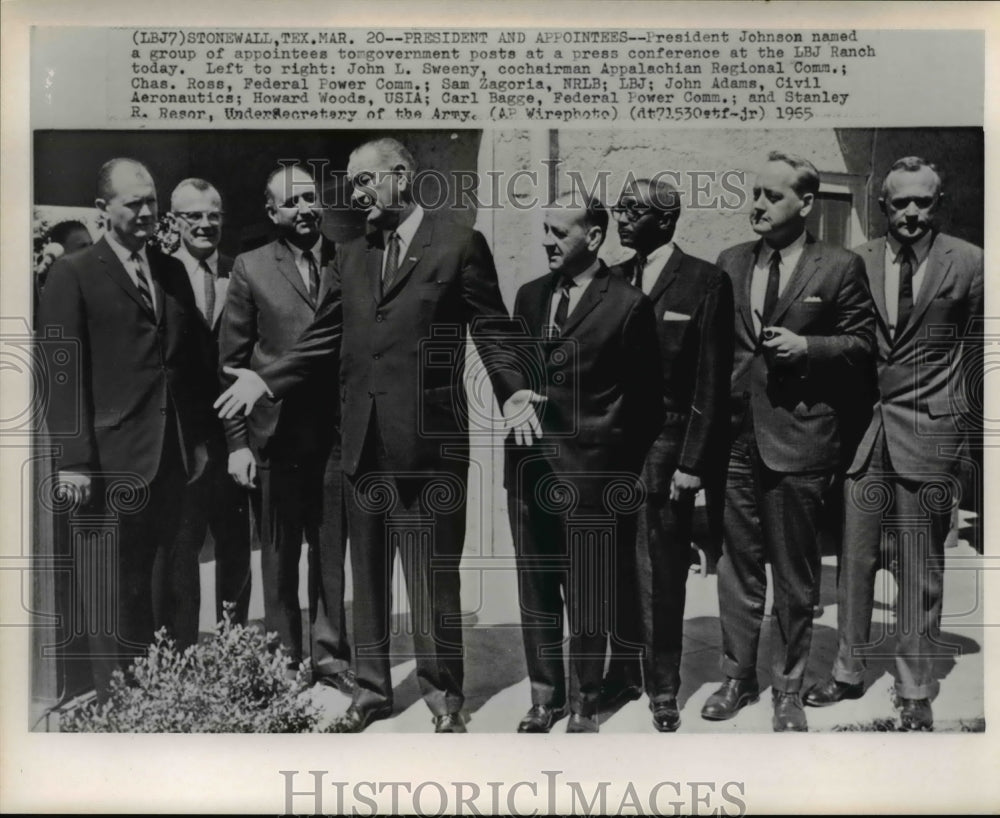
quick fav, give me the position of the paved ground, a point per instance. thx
(497, 688)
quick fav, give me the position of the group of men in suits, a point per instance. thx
(625, 392)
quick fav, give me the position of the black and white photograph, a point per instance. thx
(484, 378)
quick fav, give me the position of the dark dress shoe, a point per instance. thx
(343, 681)
(788, 713)
(579, 723)
(729, 699)
(823, 694)
(615, 692)
(355, 719)
(449, 723)
(540, 718)
(666, 716)
(916, 714)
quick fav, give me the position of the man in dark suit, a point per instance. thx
(137, 431)
(400, 305)
(216, 502)
(693, 307)
(804, 340)
(902, 483)
(291, 444)
(599, 368)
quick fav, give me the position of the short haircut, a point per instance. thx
(807, 177)
(595, 214)
(391, 152)
(662, 196)
(105, 190)
(277, 172)
(910, 164)
(201, 185)
(60, 232)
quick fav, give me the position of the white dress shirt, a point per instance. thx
(405, 231)
(921, 249)
(301, 264)
(125, 256)
(790, 256)
(196, 275)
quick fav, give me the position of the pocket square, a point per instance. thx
(670, 315)
(812, 299)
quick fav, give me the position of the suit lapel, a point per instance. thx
(875, 267)
(116, 271)
(745, 265)
(225, 267)
(590, 299)
(285, 260)
(325, 257)
(935, 273)
(667, 275)
(803, 272)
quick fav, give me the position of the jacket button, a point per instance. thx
(163, 410)
(371, 395)
(379, 317)
(377, 356)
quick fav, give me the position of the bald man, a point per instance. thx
(136, 432)
(571, 488)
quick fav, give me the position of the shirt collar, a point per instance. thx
(920, 248)
(660, 254)
(581, 279)
(407, 228)
(793, 249)
(191, 263)
(316, 249)
(123, 253)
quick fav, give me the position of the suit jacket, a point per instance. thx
(133, 369)
(602, 380)
(267, 309)
(796, 412)
(922, 396)
(693, 307)
(402, 352)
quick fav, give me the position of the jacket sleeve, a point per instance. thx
(63, 329)
(490, 323)
(709, 411)
(237, 338)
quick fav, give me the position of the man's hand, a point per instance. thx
(242, 395)
(243, 468)
(74, 486)
(519, 415)
(684, 486)
(784, 345)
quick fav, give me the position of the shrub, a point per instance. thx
(231, 683)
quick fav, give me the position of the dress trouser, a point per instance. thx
(299, 499)
(422, 518)
(769, 517)
(914, 518)
(121, 571)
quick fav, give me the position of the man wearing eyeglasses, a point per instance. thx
(901, 486)
(693, 306)
(216, 503)
(287, 450)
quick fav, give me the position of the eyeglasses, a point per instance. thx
(632, 211)
(195, 216)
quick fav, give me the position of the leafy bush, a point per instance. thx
(231, 683)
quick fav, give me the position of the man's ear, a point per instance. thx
(808, 200)
(881, 205)
(101, 204)
(272, 212)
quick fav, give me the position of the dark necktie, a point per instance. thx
(562, 308)
(905, 289)
(141, 281)
(773, 285)
(640, 265)
(313, 275)
(209, 278)
(391, 261)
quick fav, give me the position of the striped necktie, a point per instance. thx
(209, 278)
(142, 282)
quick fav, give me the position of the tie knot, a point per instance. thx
(567, 284)
(776, 258)
(308, 256)
(135, 257)
(906, 253)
